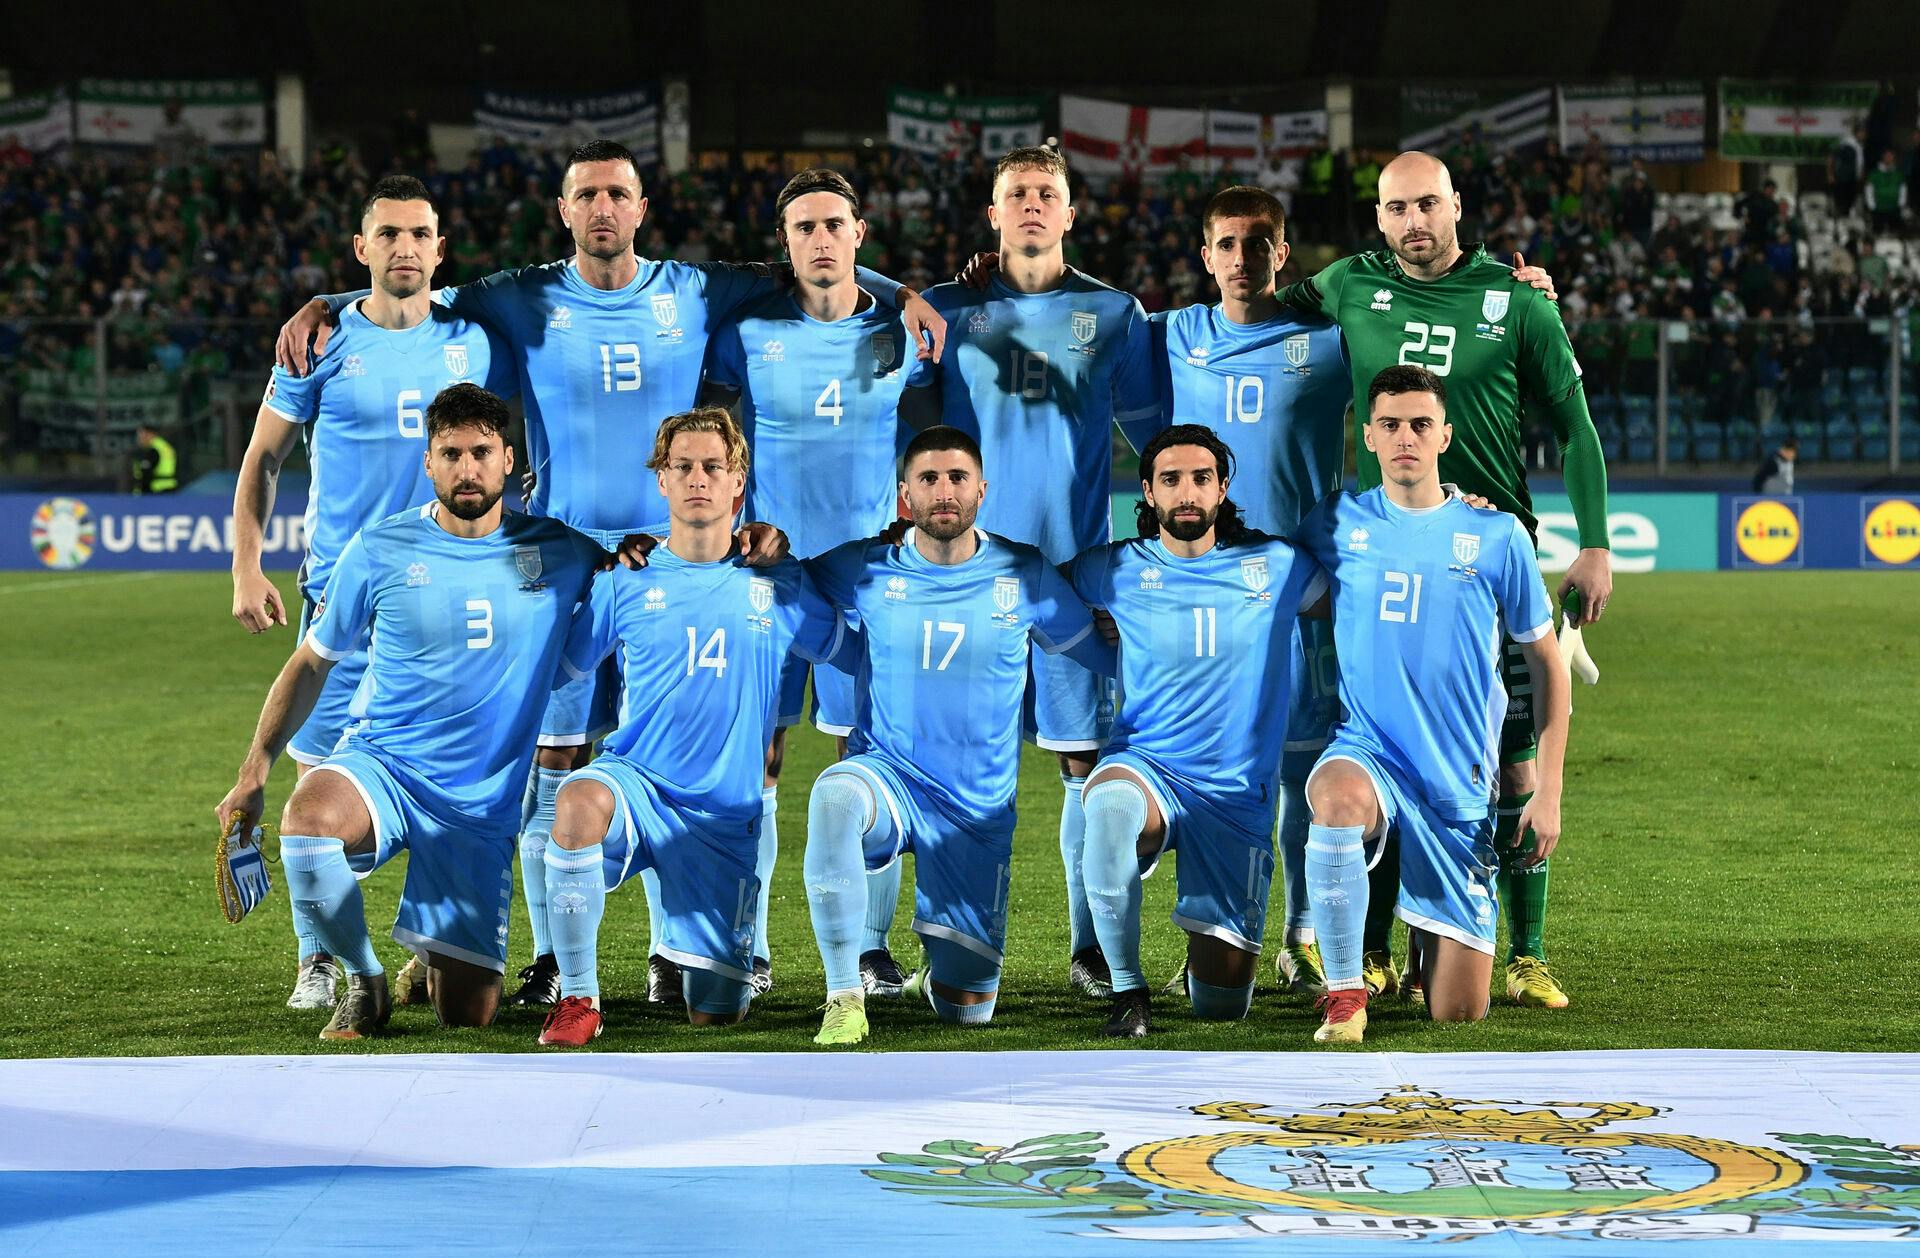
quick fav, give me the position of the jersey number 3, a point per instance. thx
(479, 624)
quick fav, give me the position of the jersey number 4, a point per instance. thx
(1429, 345)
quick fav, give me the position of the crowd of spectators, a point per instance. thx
(192, 267)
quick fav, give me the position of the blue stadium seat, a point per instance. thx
(1743, 440)
(1842, 440)
(1873, 446)
(1857, 376)
(1709, 445)
(1604, 408)
(1640, 441)
(1832, 397)
(1909, 444)
(1613, 445)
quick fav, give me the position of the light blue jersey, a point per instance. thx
(700, 649)
(464, 637)
(820, 404)
(1276, 392)
(1039, 380)
(363, 408)
(940, 684)
(1422, 598)
(600, 370)
(1206, 646)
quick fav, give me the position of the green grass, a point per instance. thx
(1737, 869)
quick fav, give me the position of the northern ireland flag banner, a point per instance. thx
(1247, 142)
(1776, 122)
(180, 116)
(1658, 122)
(38, 123)
(1105, 140)
(1577, 1154)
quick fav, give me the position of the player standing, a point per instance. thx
(1424, 588)
(608, 344)
(950, 617)
(1464, 316)
(360, 412)
(1045, 360)
(701, 639)
(1205, 608)
(814, 376)
(1272, 384)
(471, 607)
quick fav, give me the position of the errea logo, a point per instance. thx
(1382, 299)
(561, 319)
(417, 574)
(897, 588)
(1150, 578)
(1357, 540)
(773, 352)
(655, 599)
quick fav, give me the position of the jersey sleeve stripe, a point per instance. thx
(324, 651)
(575, 673)
(1536, 633)
(832, 648)
(1053, 648)
(290, 418)
(1316, 587)
(1138, 412)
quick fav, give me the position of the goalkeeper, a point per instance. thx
(1500, 346)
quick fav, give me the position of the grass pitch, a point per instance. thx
(1737, 870)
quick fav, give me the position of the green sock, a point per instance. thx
(1523, 892)
(1383, 892)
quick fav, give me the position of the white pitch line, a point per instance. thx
(93, 579)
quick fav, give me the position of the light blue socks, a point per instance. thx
(1115, 812)
(324, 888)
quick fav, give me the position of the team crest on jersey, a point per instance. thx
(456, 356)
(773, 352)
(352, 367)
(417, 574)
(527, 562)
(1253, 571)
(897, 589)
(884, 352)
(1006, 594)
(1083, 325)
(666, 311)
(979, 322)
(1297, 347)
(1382, 299)
(1357, 540)
(1150, 578)
(1466, 547)
(1493, 306)
(561, 319)
(760, 599)
(654, 600)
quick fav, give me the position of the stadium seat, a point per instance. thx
(1743, 440)
(1832, 396)
(1841, 440)
(1873, 447)
(1613, 445)
(1709, 444)
(1909, 444)
(1604, 407)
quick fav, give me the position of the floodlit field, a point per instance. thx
(1738, 868)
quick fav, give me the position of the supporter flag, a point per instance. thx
(1659, 122)
(1249, 141)
(935, 124)
(38, 123)
(1104, 139)
(1772, 122)
(559, 123)
(176, 114)
(1439, 118)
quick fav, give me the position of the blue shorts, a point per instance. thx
(581, 711)
(320, 734)
(1224, 872)
(961, 873)
(709, 892)
(1067, 707)
(459, 881)
(832, 697)
(1313, 702)
(1447, 866)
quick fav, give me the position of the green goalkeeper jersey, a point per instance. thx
(1497, 342)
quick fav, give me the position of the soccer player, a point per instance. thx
(607, 344)
(1272, 384)
(1424, 588)
(1044, 361)
(950, 616)
(1205, 608)
(814, 376)
(470, 607)
(702, 640)
(360, 412)
(1464, 316)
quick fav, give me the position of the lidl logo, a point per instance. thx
(1768, 532)
(1891, 532)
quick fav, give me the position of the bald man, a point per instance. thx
(1499, 343)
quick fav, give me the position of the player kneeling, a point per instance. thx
(1423, 585)
(702, 639)
(471, 607)
(1205, 608)
(948, 616)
